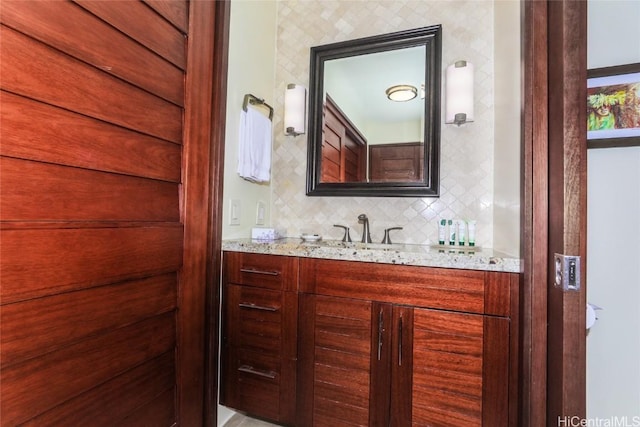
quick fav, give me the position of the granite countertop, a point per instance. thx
(420, 255)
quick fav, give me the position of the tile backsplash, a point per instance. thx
(467, 152)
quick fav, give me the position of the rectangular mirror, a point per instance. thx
(374, 116)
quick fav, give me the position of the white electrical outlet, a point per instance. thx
(260, 213)
(234, 212)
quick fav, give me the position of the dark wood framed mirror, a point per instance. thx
(361, 142)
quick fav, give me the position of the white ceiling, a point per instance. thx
(360, 82)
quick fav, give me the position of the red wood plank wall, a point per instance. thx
(92, 241)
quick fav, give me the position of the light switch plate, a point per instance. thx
(234, 212)
(260, 212)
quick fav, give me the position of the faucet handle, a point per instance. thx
(347, 236)
(387, 240)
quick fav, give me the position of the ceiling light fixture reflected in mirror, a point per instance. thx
(401, 93)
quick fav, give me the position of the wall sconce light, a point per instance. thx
(401, 93)
(295, 103)
(459, 93)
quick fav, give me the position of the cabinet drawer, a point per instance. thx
(257, 366)
(264, 271)
(449, 289)
(254, 318)
(253, 385)
(261, 305)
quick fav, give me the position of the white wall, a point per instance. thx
(252, 43)
(468, 168)
(613, 235)
(506, 157)
(467, 152)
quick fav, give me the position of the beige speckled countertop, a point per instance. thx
(421, 255)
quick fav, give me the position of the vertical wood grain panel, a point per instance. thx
(72, 139)
(402, 366)
(515, 359)
(567, 215)
(497, 293)
(495, 412)
(342, 326)
(32, 69)
(289, 352)
(306, 355)
(448, 368)
(214, 255)
(196, 190)
(534, 213)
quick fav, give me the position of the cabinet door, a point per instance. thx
(339, 352)
(460, 369)
(401, 366)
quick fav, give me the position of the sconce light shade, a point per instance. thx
(295, 103)
(459, 93)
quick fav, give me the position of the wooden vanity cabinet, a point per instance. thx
(384, 345)
(316, 342)
(258, 357)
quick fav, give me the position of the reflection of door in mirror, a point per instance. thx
(396, 162)
(344, 148)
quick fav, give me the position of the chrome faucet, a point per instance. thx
(366, 237)
(347, 236)
(387, 239)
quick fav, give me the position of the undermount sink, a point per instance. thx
(338, 244)
(356, 245)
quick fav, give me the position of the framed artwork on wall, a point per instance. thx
(613, 106)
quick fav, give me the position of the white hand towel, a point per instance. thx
(254, 149)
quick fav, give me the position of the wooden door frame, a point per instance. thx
(566, 348)
(553, 209)
(536, 246)
(214, 255)
(201, 212)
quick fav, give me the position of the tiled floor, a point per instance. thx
(239, 420)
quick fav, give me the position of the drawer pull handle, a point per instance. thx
(268, 273)
(380, 332)
(257, 307)
(251, 370)
(400, 341)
